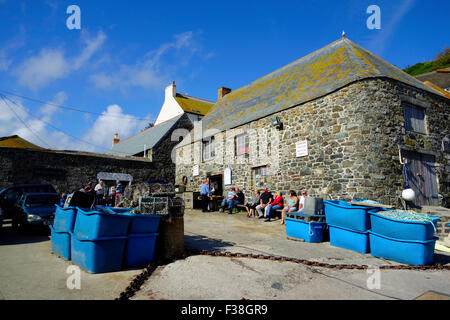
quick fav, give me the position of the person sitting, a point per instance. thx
(251, 205)
(292, 205)
(264, 200)
(301, 202)
(276, 204)
(240, 195)
(231, 200)
(62, 200)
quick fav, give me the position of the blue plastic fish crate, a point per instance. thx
(139, 223)
(308, 231)
(91, 225)
(98, 256)
(64, 219)
(140, 249)
(401, 229)
(61, 244)
(343, 214)
(411, 252)
(349, 239)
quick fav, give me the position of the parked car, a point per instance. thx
(10, 195)
(35, 210)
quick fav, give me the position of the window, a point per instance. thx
(414, 119)
(208, 149)
(242, 144)
(259, 173)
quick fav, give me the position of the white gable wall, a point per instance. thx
(170, 107)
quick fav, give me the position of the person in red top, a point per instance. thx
(276, 204)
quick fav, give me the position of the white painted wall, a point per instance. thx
(170, 107)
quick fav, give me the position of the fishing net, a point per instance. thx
(406, 215)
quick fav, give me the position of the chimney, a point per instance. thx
(222, 92)
(116, 139)
(171, 90)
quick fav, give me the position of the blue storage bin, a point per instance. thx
(64, 219)
(97, 256)
(343, 214)
(139, 223)
(91, 225)
(401, 229)
(412, 252)
(140, 249)
(61, 244)
(308, 231)
(349, 239)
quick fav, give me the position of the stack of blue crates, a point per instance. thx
(61, 231)
(410, 242)
(141, 238)
(98, 240)
(105, 239)
(349, 225)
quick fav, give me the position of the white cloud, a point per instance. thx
(51, 64)
(112, 121)
(152, 71)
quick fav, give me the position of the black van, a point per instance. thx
(10, 195)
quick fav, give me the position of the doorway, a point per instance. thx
(421, 176)
(216, 181)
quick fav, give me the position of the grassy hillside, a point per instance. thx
(441, 61)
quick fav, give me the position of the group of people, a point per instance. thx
(102, 196)
(262, 203)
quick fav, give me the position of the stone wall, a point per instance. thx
(67, 171)
(353, 138)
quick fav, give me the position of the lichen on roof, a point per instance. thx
(193, 105)
(17, 142)
(317, 74)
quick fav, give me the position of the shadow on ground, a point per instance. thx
(10, 236)
(441, 258)
(201, 242)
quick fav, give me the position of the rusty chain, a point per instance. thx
(139, 280)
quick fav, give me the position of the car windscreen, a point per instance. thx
(41, 201)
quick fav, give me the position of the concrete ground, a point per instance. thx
(29, 271)
(205, 277)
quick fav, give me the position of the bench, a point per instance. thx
(241, 207)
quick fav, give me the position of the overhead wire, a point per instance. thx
(52, 126)
(73, 108)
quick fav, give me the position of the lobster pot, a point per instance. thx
(309, 231)
(349, 239)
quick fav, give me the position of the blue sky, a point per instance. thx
(127, 52)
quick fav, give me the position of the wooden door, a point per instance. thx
(421, 175)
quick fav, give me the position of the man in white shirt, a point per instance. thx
(99, 192)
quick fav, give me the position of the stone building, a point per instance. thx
(334, 122)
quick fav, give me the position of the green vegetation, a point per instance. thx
(442, 60)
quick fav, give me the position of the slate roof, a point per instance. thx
(193, 105)
(149, 137)
(317, 74)
(17, 142)
(441, 77)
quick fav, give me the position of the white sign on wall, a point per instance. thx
(301, 148)
(195, 170)
(227, 176)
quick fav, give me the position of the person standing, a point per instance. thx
(99, 193)
(205, 193)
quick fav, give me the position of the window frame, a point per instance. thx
(245, 144)
(208, 145)
(408, 123)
